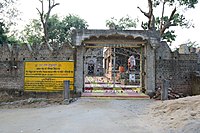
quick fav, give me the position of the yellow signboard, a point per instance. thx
(48, 76)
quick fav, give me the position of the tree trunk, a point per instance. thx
(44, 17)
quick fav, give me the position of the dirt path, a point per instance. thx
(82, 116)
(102, 116)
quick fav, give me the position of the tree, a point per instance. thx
(44, 17)
(58, 30)
(8, 15)
(3, 36)
(32, 34)
(8, 12)
(164, 22)
(54, 29)
(123, 23)
(71, 22)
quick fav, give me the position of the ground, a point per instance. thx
(101, 116)
(83, 115)
(182, 115)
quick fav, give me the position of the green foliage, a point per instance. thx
(3, 36)
(144, 25)
(54, 27)
(177, 19)
(74, 21)
(58, 30)
(123, 23)
(32, 33)
(71, 22)
(13, 40)
(8, 16)
(192, 44)
(169, 36)
(9, 12)
(180, 20)
(187, 3)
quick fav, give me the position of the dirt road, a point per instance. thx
(102, 116)
(82, 116)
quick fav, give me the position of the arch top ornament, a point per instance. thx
(129, 37)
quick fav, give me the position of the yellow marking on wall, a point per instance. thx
(61, 69)
(48, 76)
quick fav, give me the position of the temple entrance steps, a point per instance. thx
(101, 87)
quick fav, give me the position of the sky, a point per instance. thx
(97, 12)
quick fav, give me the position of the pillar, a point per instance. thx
(150, 79)
(79, 71)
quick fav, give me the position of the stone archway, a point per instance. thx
(149, 40)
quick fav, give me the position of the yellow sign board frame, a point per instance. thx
(48, 76)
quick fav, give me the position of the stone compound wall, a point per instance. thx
(169, 65)
(13, 57)
(177, 68)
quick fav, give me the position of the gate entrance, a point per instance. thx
(115, 59)
(111, 69)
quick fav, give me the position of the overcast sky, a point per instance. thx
(97, 12)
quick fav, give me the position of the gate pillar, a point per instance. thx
(150, 63)
(79, 70)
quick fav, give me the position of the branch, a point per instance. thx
(168, 23)
(163, 10)
(149, 15)
(150, 8)
(42, 6)
(50, 8)
(172, 14)
(145, 14)
(53, 2)
(41, 13)
(49, 4)
(41, 16)
(44, 18)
